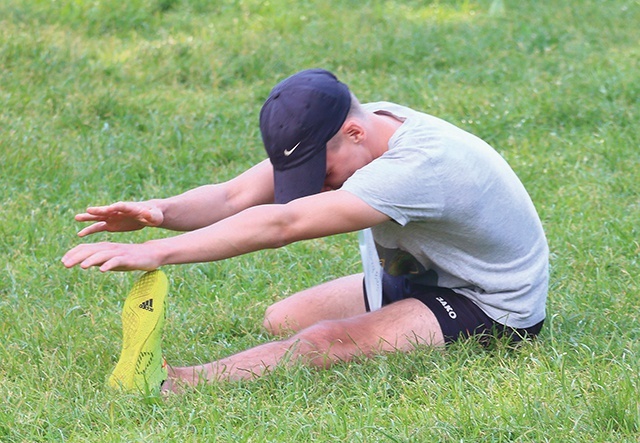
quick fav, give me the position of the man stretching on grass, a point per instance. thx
(462, 247)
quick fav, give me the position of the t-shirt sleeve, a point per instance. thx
(403, 185)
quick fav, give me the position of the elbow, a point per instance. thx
(284, 235)
(286, 228)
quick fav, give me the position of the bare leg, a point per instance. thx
(398, 327)
(247, 364)
(337, 299)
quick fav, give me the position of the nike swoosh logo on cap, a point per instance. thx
(288, 152)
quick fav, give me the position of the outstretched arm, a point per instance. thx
(260, 227)
(208, 204)
(191, 210)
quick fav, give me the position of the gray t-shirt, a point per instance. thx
(460, 217)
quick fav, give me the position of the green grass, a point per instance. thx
(102, 101)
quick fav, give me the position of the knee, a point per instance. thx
(322, 344)
(269, 323)
(276, 321)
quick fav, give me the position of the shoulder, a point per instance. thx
(389, 107)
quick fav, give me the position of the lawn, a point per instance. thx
(103, 101)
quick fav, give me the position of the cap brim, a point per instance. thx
(301, 181)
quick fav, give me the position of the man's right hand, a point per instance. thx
(120, 217)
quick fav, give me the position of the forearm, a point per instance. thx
(194, 209)
(234, 236)
(252, 229)
(209, 204)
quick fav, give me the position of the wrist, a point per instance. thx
(158, 251)
(161, 206)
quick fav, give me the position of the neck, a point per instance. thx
(383, 126)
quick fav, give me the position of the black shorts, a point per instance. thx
(458, 316)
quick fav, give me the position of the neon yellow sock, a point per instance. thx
(141, 365)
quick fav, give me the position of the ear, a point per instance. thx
(354, 131)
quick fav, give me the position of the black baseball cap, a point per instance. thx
(302, 113)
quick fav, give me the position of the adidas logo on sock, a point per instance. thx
(148, 305)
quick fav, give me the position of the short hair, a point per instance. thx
(355, 108)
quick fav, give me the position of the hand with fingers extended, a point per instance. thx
(114, 256)
(120, 217)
